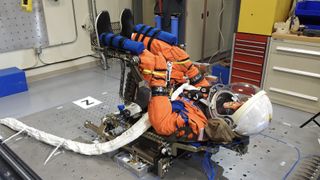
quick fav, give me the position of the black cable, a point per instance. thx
(59, 62)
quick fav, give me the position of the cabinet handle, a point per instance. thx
(245, 70)
(298, 51)
(249, 79)
(251, 46)
(253, 42)
(248, 54)
(295, 94)
(249, 50)
(246, 62)
(208, 14)
(295, 71)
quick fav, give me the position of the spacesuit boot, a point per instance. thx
(182, 66)
(103, 23)
(127, 24)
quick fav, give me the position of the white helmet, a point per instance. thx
(252, 117)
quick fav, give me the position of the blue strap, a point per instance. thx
(178, 107)
(208, 166)
(185, 118)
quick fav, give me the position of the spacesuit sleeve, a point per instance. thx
(180, 59)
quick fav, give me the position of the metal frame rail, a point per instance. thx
(13, 162)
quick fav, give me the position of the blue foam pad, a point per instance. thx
(12, 81)
(163, 36)
(127, 44)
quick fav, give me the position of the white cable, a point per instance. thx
(15, 135)
(220, 33)
(136, 130)
(51, 154)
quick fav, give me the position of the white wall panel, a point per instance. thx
(61, 29)
(194, 27)
(58, 15)
(212, 28)
(229, 23)
(125, 4)
(112, 6)
(55, 13)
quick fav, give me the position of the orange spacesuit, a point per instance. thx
(164, 118)
(181, 117)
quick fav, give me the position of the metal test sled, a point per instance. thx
(150, 152)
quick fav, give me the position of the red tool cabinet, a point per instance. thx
(249, 56)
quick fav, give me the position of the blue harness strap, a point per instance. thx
(178, 107)
(207, 166)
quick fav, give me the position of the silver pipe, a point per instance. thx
(220, 24)
(90, 11)
(205, 9)
(95, 13)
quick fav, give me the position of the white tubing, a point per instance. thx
(131, 134)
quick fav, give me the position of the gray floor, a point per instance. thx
(58, 90)
(270, 156)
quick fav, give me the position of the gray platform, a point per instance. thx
(270, 155)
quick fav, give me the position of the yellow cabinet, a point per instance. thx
(259, 16)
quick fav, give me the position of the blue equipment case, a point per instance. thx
(222, 73)
(308, 12)
(12, 81)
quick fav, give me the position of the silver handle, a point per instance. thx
(248, 54)
(253, 42)
(246, 78)
(245, 62)
(251, 46)
(295, 71)
(245, 70)
(250, 50)
(295, 94)
(298, 51)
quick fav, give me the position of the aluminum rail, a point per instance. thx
(21, 169)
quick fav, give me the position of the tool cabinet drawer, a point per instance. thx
(249, 54)
(254, 39)
(294, 91)
(293, 76)
(247, 66)
(236, 78)
(297, 49)
(246, 73)
(247, 58)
